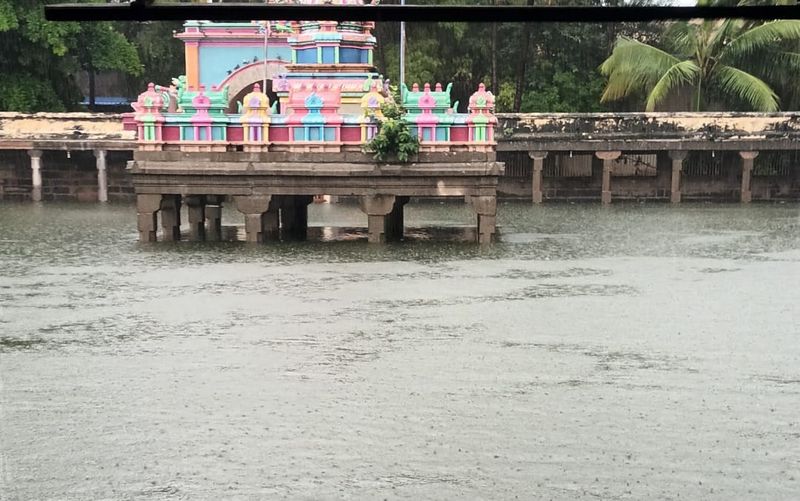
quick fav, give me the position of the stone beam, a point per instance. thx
(536, 181)
(36, 171)
(608, 158)
(677, 156)
(102, 178)
(748, 158)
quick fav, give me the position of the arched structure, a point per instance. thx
(241, 81)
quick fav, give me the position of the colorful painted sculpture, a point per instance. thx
(429, 112)
(148, 115)
(481, 121)
(315, 115)
(255, 116)
(201, 120)
(325, 93)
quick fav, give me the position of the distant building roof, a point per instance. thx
(108, 101)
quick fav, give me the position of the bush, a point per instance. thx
(393, 139)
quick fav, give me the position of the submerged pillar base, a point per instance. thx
(171, 217)
(253, 207)
(147, 207)
(377, 208)
(197, 219)
(486, 209)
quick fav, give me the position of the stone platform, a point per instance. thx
(273, 189)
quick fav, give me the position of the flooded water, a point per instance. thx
(634, 352)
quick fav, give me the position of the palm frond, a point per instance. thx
(746, 87)
(631, 53)
(682, 73)
(758, 38)
(773, 66)
(622, 84)
(681, 38)
(633, 66)
(727, 29)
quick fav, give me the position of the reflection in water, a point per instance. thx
(643, 352)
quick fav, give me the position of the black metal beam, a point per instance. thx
(138, 11)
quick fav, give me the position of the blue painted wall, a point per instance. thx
(329, 133)
(328, 55)
(348, 55)
(307, 56)
(216, 61)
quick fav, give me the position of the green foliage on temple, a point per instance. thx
(394, 139)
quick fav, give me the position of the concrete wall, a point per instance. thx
(685, 126)
(63, 178)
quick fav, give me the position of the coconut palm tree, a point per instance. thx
(724, 61)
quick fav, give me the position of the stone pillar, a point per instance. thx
(36, 168)
(147, 207)
(747, 172)
(196, 206)
(607, 157)
(536, 181)
(677, 156)
(394, 220)
(171, 217)
(102, 179)
(253, 207)
(294, 216)
(377, 207)
(486, 209)
(213, 214)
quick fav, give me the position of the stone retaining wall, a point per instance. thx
(517, 134)
(63, 178)
(723, 185)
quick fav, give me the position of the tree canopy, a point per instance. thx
(732, 64)
(542, 67)
(39, 59)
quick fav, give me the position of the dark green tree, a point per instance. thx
(40, 60)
